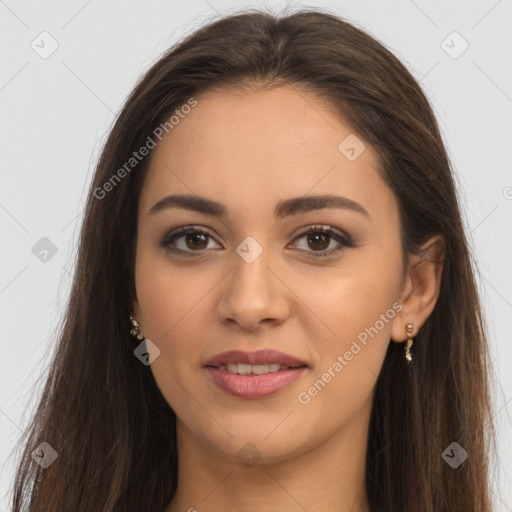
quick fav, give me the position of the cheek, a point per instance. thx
(167, 294)
(342, 383)
(352, 297)
(178, 315)
(172, 302)
(358, 304)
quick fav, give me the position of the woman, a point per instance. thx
(274, 306)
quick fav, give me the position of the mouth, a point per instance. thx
(254, 374)
(254, 369)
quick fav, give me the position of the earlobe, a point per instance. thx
(421, 289)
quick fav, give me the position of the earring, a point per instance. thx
(409, 328)
(135, 330)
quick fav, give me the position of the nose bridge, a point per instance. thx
(251, 292)
(251, 276)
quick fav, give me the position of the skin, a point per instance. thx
(250, 151)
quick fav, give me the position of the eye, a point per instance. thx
(188, 240)
(319, 238)
(194, 240)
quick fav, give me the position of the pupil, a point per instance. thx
(315, 238)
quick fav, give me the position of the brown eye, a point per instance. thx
(190, 241)
(196, 240)
(187, 241)
(318, 241)
(319, 238)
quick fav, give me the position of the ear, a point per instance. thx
(421, 288)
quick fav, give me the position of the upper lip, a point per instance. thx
(259, 357)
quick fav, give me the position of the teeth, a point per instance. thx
(257, 369)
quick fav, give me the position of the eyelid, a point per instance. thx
(322, 227)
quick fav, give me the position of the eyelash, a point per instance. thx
(330, 231)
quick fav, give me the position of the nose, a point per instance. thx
(254, 294)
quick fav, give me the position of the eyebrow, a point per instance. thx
(282, 209)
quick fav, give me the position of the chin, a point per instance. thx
(259, 440)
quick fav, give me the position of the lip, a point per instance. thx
(265, 356)
(254, 386)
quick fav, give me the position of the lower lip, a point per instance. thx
(254, 386)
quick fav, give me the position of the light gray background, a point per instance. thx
(57, 110)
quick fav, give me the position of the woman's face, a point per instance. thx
(251, 280)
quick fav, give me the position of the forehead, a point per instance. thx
(252, 148)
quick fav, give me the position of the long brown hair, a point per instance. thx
(101, 410)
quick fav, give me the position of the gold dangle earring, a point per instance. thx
(135, 330)
(409, 328)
